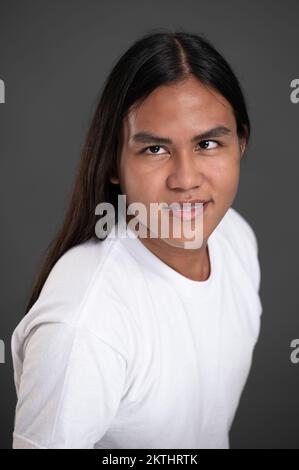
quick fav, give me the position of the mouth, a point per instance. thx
(187, 210)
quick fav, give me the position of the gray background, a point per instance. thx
(54, 56)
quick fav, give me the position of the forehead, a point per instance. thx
(180, 109)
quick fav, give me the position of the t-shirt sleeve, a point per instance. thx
(70, 388)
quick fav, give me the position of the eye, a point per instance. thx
(204, 142)
(155, 147)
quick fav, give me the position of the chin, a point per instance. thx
(185, 243)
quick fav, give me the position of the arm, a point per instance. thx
(70, 388)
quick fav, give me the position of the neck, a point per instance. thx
(191, 263)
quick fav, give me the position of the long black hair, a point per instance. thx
(159, 57)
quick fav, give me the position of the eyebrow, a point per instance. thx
(147, 137)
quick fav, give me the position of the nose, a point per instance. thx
(184, 174)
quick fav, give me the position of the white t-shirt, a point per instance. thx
(120, 351)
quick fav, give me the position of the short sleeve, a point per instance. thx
(70, 388)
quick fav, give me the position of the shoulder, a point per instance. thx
(239, 235)
(75, 271)
(238, 230)
(83, 291)
(71, 284)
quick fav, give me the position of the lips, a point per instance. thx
(186, 205)
(188, 211)
(190, 201)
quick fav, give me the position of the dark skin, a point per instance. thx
(207, 169)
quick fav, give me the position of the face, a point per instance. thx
(195, 153)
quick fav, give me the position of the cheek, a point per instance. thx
(138, 184)
(224, 177)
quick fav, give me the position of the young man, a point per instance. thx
(140, 342)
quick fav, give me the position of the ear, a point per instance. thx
(242, 146)
(114, 179)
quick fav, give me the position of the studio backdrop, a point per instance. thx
(54, 58)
